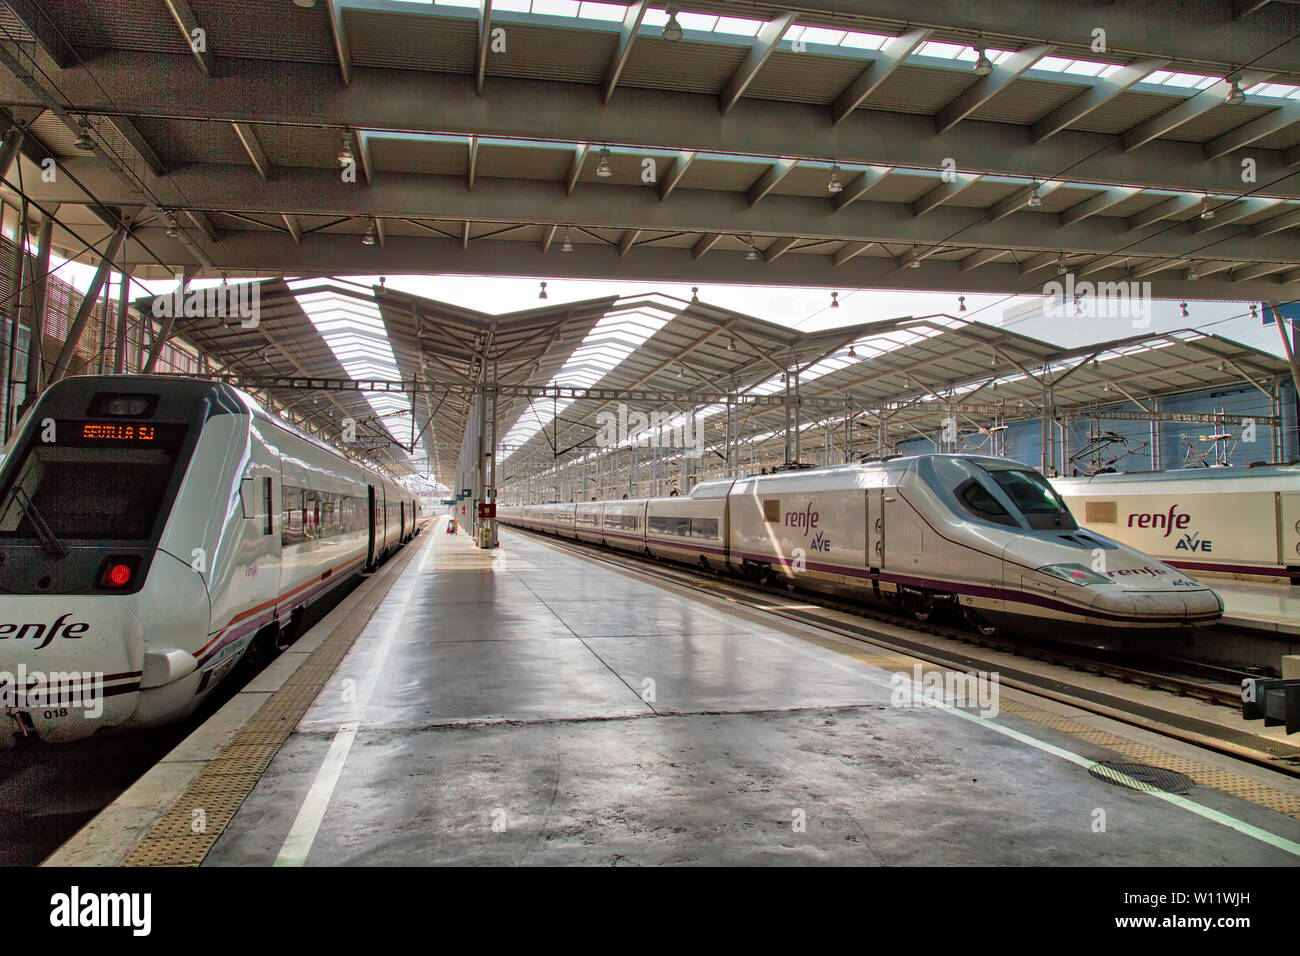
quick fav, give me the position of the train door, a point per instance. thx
(370, 510)
(875, 512)
(401, 527)
(1288, 509)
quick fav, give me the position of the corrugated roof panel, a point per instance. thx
(805, 77)
(733, 176)
(301, 146)
(263, 29)
(120, 24)
(1126, 111)
(398, 155)
(1026, 100)
(411, 41)
(550, 53)
(657, 64)
(181, 141)
(1215, 122)
(520, 162)
(919, 89)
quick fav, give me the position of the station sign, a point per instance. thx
(487, 509)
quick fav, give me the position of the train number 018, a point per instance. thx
(51, 714)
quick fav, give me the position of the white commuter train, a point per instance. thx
(985, 534)
(1235, 523)
(152, 529)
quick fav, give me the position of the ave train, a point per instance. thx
(153, 530)
(983, 534)
(1240, 524)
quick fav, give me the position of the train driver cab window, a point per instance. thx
(1036, 499)
(981, 502)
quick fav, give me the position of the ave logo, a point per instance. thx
(1194, 542)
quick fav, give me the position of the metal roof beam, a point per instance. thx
(675, 172)
(578, 160)
(849, 251)
(981, 257)
(1266, 125)
(704, 244)
(1098, 203)
(623, 48)
(256, 154)
(627, 241)
(945, 191)
(987, 87)
(1019, 200)
(769, 180)
(471, 163)
(484, 42)
(426, 101)
(778, 248)
(295, 229)
(1229, 212)
(1101, 92)
(1277, 224)
(1163, 210)
(859, 186)
(886, 61)
(341, 47)
(48, 37)
(769, 35)
(1190, 108)
(184, 16)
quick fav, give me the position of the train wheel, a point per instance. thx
(982, 625)
(922, 607)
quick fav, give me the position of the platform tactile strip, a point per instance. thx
(191, 827)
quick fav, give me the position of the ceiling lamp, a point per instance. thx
(1061, 267)
(1190, 275)
(914, 264)
(961, 303)
(983, 66)
(83, 141)
(542, 294)
(853, 352)
(731, 346)
(369, 238)
(1254, 311)
(1034, 198)
(695, 293)
(752, 254)
(1235, 97)
(566, 245)
(603, 170)
(672, 29)
(173, 231)
(345, 154)
(835, 300)
(1183, 307)
(834, 185)
(1206, 211)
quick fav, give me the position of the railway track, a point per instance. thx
(1220, 687)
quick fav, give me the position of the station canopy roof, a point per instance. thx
(406, 369)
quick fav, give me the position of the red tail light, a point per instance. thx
(118, 573)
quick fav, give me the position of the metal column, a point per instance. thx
(78, 324)
(36, 308)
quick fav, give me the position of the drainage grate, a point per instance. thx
(1142, 776)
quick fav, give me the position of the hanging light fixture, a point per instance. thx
(853, 352)
(961, 303)
(835, 300)
(672, 29)
(1206, 211)
(914, 264)
(834, 185)
(731, 345)
(1034, 198)
(567, 244)
(1061, 267)
(83, 141)
(369, 238)
(695, 294)
(1235, 97)
(752, 254)
(1191, 275)
(983, 66)
(345, 153)
(1183, 308)
(1254, 311)
(542, 294)
(602, 169)
(173, 231)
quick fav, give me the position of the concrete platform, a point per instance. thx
(529, 707)
(1259, 607)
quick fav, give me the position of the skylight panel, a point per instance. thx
(1278, 90)
(738, 26)
(511, 6)
(821, 35)
(556, 8)
(471, 4)
(609, 12)
(864, 41)
(696, 21)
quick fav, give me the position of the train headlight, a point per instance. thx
(1074, 573)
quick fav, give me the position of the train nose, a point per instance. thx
(1157, 608)
(68, 667)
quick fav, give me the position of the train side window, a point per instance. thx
(772, 511)
(266, 505)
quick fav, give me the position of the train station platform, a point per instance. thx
(532, 706)
(1257, 607)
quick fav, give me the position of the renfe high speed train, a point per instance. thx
(153, 529)
(1236, 523)
(988, 535)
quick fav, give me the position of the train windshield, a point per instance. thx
(94, 482)
(1032, 495)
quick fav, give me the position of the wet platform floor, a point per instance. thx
(527, 706)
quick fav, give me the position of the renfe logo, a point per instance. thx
(805, 520)
(1169, 522)
(72, 631)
